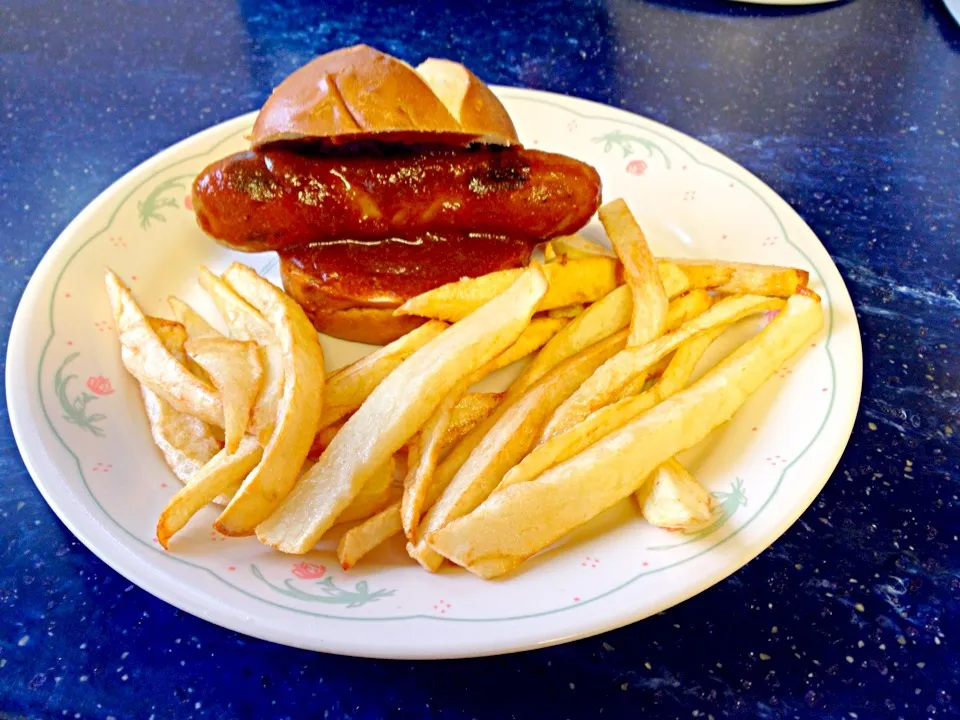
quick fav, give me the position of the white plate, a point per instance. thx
(78, 421)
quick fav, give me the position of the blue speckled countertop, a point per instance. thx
(850, 111)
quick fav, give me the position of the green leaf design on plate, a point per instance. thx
(617, 138)
(75, 409)
(150, 207)
(329, 592)
(729, 503)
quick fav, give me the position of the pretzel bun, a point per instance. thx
(359, 94)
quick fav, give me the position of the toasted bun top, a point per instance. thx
(359, 93)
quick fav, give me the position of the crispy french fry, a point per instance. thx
(235, 368)
(742, 278)
(577, 246)
(608, 382)
(221, 475)
(373, 497)
(640, 270)
(472, 409)
(569, 312)
(361, 539)
(193, 321)
(187, 443)
(348, 387)
(510, 438)
(146, 358)
(576, 281)
(424, 463)
(395, 411)
(522, 519)
(245, 323)
(671, 498)
(299, 409)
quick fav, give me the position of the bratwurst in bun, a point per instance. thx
(376, 182)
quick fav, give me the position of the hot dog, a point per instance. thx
(377, 181)
(277, 199)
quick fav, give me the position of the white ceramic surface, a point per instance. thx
(78, 420)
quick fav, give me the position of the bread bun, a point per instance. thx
(359, 93)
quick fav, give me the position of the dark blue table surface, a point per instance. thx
(850, 111)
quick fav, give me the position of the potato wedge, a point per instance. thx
(640, 271)
(145, 357)
(245, 323)
(373, 497)
(348, 387)
(395, 411)
(235, 368)
(607, 383)
(193, 321)
(671, 498)
(510, 438)
(522, 519)
(576, 281)
(221, 475)
(299, 410)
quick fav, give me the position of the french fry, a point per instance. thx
(348, 387)
(508, 440)
(472, 409)
(576, 281)
(245, 323)
(299, 409)
(193, 321)
(145, 357)
(395, 411)
(640, 270)
(569, 312)
(742, 278)
(423, 462)
(577, 246)
(221, 475)
(607, 383)
(361, 539)
(373, 497)
(522, 519)
(187, 443)
(548, 253)
(671, 498)
(235, 368)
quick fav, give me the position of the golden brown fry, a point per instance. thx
(424, 462)
(245, 323)
(146, 358)
(742, 278)
(577, 246)
(299, 410)
(361, 539)
(373, 497)
(221, 475)
(235, 368)
(522, 519)
(569, 312)
(640, 270)
(348, 387)
(508, 440)
(395, 411)
(608, 382)
(572, 282)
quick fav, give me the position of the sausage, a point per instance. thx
(275, 199)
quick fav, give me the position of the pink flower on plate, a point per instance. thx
(637, 167)
(99, 385)
(188, 202)
(309, 571)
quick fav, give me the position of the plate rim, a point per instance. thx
(156, 585)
